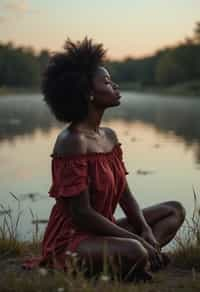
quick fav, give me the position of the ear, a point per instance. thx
(91, 92)
(89, 95)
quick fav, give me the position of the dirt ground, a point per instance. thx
(171, 279)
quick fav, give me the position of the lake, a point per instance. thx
(160, 138)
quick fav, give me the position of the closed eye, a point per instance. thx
(109, 82)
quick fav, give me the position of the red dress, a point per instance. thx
(104, 176)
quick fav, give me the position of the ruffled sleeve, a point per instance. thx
(69, 176)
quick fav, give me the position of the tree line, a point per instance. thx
(22, 67)
(166, 67)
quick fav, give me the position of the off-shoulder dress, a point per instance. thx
(103, 174)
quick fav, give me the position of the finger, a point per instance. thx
(159, 259)
(162, 260)
(154, 263)
(158, 256)
(156, 245)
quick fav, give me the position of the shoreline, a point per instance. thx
(4, 91)
(187, 89)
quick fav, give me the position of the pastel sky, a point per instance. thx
(125, 27)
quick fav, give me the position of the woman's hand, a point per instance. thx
(155, 257)
(148, 236)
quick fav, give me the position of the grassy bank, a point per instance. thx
(183, 274)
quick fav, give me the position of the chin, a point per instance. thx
(113, 104)
(117, 103)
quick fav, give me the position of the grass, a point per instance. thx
(187, 244)
(9, 243)
(182, 275)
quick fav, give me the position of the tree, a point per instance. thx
(43, 59)
(168, 71)
(197, 32)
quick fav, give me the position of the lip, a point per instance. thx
(118, 96)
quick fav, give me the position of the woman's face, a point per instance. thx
(106, 93)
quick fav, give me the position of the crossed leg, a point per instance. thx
(123, 255)
(165, 219)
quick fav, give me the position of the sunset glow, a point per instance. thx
(126, 28)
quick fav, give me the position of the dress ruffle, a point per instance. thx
(103, 174)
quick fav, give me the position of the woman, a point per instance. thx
(89, 176)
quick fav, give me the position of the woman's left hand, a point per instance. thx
(148, 235)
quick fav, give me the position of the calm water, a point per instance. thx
(160, 138)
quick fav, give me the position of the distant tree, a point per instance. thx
(43, 58)
(197, 32)
(22, 67)
(189, 41)
(18, 66)
(168, 71)
(188, 57)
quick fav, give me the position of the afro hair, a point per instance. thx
(67, 79)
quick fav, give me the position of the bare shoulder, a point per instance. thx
(111, 135)
(68, 143)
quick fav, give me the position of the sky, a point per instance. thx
(127, 28)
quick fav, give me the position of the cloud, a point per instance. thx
(17, 7)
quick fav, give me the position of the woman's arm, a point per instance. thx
(87, 219)
(132, 210)
(135, 216)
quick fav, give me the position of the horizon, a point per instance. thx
(33, 20)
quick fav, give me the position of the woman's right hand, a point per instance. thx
(155, 258)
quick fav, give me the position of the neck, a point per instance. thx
(92, 121)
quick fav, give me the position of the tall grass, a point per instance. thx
(9, 233)
(9, 244)
(187, 242)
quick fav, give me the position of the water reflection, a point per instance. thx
(23, 116)
(144, 172)
(167, 114)
(33, 197)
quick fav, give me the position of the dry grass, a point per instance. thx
(9, 243)
(186, 254)
(187, 244)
